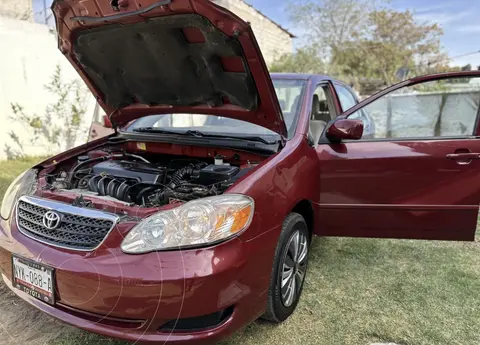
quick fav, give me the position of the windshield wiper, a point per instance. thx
(198, 134)
(192, 133)
(253, 138)
(153, 130)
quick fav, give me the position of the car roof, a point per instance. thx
(304, 76)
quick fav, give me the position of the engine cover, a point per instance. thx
(214, 174)
(142, 172)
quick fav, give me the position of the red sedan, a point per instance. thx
(195, 217)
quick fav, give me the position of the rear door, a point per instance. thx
(418, 175)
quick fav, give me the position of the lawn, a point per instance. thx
(11, 169)
(362, 291)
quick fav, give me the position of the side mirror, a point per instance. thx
(345, 129)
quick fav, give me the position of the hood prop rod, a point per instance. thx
(84, 19)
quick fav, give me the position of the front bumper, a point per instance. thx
(132, 297)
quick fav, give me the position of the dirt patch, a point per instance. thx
(21, 323)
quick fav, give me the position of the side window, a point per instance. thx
(434, 109)
(289, 94)
(347, 100)
(345, 97)
(320, 107)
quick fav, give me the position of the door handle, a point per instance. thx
(463, 156)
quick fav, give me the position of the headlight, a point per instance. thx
(195, 223)
(22, 185)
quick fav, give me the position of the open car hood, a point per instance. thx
(144, 57)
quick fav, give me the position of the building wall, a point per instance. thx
(27, 65)
(272, 39)
(31, 57)
(20, 9)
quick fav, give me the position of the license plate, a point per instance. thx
(34, 278)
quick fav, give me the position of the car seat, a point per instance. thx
(318, 119)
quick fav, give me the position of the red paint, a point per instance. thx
(421, 189)
(106, 122)
(194, 151)
(345, 129)
(402, 189)
(193, 35)
(267, 114)
(232, 64)
(123, 3)
(130, 297)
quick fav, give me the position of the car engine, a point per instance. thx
(134, 180)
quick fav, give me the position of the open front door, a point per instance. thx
(419, 176)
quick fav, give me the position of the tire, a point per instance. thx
(280, 303)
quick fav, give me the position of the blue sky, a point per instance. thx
(460, 20)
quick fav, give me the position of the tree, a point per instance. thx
(366, 43)
(394, 43)
(329, 24)
(61, 125)
(302, 61)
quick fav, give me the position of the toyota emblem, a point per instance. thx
(51, 220)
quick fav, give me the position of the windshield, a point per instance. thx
(289, 93)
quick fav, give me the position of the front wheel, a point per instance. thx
(289, 269)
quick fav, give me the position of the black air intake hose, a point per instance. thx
(180, 175)
(183, 173)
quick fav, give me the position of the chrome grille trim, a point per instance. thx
(81, 229)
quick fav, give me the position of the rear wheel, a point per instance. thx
(289, 269)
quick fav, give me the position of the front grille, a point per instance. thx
(80, 229)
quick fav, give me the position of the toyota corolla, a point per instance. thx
(195, 216)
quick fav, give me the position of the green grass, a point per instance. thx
(362, 291)
(11, 169)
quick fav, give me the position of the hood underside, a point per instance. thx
(110, 56)
(187, 56)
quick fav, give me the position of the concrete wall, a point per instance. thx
(20, 9)
(30, 55)
(28, 61)
(272, 39)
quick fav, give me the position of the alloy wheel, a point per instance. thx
(294, 267)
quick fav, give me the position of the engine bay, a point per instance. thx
(135, 180)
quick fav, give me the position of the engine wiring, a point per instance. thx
(135, 180)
